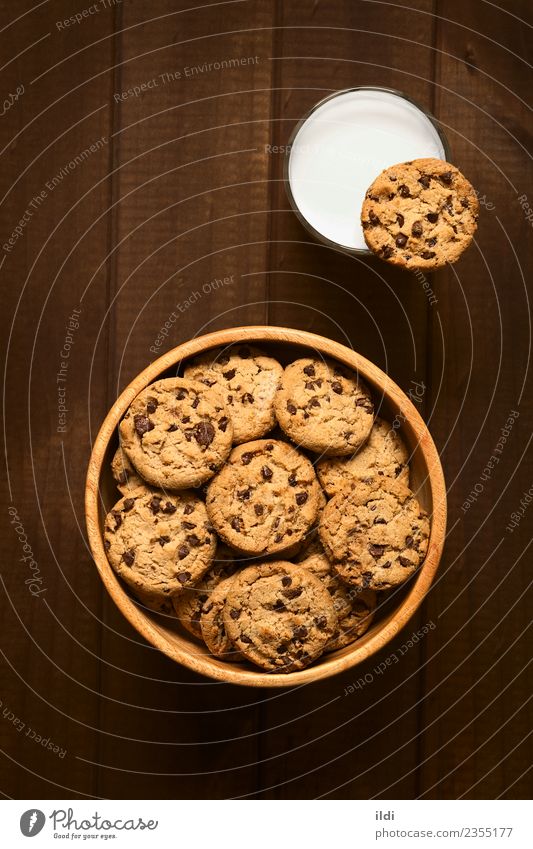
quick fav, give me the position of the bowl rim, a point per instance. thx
(356, 652)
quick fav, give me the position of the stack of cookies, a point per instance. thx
(263, 507)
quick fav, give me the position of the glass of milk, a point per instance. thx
(341, 146)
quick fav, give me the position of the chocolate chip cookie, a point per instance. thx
(158, 542)
(177, 433)
(323, 406)
(376, 535)
(212, 624)
(420, 214)
(188, 605)
(247, 380)
(124, 473)
(265, 499)
(354, 606)
(383, 455)
(279, 616)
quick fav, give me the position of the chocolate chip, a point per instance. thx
(404, 561)
(193, 540)
(123, 477)
(269, 447)
(464, 203)
(183, 551)
(294, 592)
(235, 612)
(129, 557)
(373, 218)
(321, 622)
(118, 519)
(404, 191)
(301, 498)
(245, 639)
(400, 219)
(188, 509)
(258, 509)
(278, 537)
(376, 550)
(155, 504)
(424, 180)
(204, 433)
(107, 544)
(163, 540)
(309, 385)
(314, 402)
(173, 427)
(267, 473)
(286, 581)
(417, 228)
(291, 408)
(386, 565)
(128, 504)
(229, 375)
(446, 177)
(379, 521)
(401, 240)
(433, 217)
(208, 382)
(278, 605)
(183, 577)
(292, 479)
(151, 405)
(223, 423)
(409, 541)
(181, 394)
(195, 403)
(309, 370)
(300, 633)
(186, 419)
(427, 254)
(387, 251)
(432, 241)
(246, 458)
(142, 424)
(224, 360)
(189, 526)
(237, 524)
(247, 398)
(337, 387)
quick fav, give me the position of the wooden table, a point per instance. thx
(127, 204)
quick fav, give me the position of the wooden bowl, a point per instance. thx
(426, 479)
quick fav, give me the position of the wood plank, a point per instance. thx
(476, 710)
(51, 640)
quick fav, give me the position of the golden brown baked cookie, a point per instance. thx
(323, 406)
(212, 624)
(265, 499)
(279, 616)
(420, 214)
(247, 380)
(177, 433)
(383, 455)
(354, 606)
(188, 604)
(376, 535)
(124, 472)
(158, 542)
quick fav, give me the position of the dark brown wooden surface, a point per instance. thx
(182, 191)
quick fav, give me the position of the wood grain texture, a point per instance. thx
(184, 191)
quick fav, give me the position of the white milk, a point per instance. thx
(343, 146)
